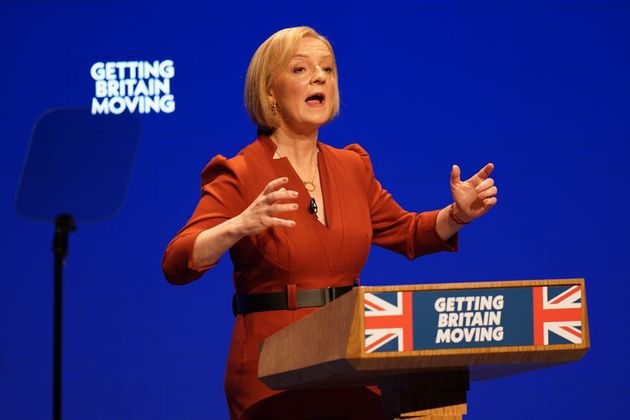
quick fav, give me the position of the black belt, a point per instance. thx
(244, 304)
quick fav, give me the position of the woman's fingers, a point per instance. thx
(260, 215)
(281, 194)
(282, 222)
(271, 205)
(455, 174)
(483, 173)
(487, 193)
(275, 184)
(271, 193)
(485, 184)
(281, 208)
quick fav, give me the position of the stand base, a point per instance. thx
(425, 396)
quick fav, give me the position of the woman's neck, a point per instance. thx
(298, 147)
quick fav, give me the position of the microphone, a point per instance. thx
(312, 207)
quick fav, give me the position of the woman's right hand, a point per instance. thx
(261, 213)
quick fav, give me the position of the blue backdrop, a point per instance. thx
(540, 88)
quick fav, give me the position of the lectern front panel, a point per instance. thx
(411, 320)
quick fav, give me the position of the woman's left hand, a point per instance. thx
(475, 196)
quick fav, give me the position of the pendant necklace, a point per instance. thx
(309, 185)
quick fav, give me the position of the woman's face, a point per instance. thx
(303, 91)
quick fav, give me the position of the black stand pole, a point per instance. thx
(64, 224)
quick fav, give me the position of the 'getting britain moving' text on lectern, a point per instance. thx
(422, 344)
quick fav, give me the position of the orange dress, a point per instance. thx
(359, 212)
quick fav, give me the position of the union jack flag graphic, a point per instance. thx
(388, 321)
(557, 315)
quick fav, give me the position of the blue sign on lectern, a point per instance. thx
(470, 318)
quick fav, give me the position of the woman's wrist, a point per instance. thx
(235, 229)
(445, 226)
(214, 242)
(456, 215)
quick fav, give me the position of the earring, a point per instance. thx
(274, 108)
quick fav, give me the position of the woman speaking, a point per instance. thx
(298, 217)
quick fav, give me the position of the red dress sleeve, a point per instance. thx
(221, 199)
(407, 233)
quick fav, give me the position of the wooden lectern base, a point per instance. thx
(426, 396)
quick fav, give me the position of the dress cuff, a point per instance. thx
(177, 265)
(427, 240)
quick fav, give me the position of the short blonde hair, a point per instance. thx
(268, 61)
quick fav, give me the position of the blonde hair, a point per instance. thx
(268, 61)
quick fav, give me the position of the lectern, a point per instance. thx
(423, 344)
